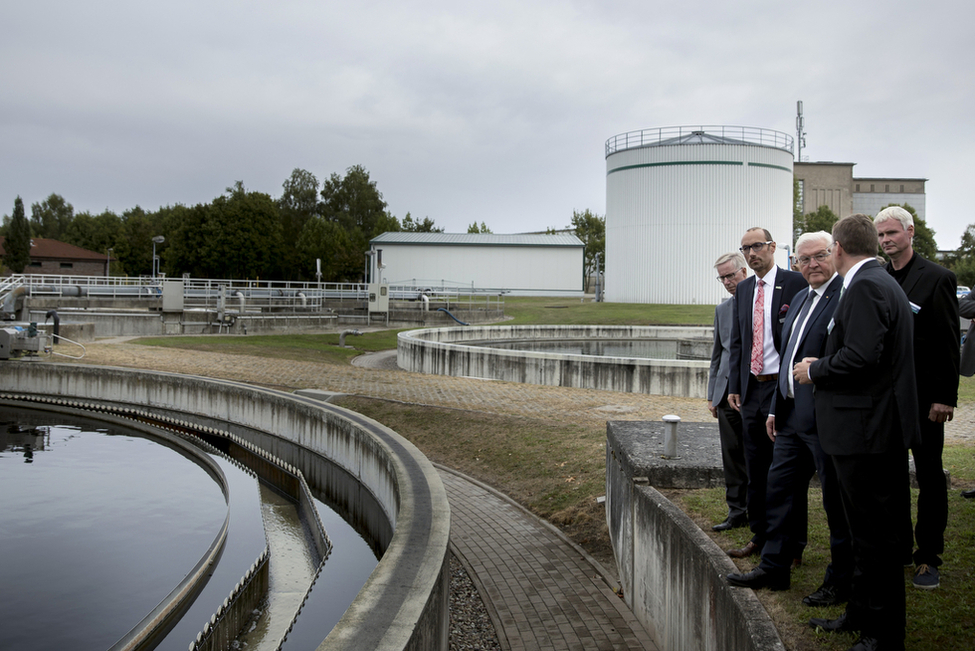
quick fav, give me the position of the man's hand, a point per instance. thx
(712, 409)
(800, 373)
(940, 413)
(770, 427)
(734, 400)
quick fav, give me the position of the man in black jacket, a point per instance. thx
(866, 415)
(931, 289)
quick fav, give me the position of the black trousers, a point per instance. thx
(932, 497)
(873, 489)
(733, 460)
(796, 456)
(758, 453)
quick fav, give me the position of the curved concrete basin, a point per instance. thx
(454, 351)
(403, 604)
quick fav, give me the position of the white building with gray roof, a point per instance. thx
(527, 265)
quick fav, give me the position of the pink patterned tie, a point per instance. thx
(758, 330)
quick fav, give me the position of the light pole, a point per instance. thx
(108, 264)
(159, 239)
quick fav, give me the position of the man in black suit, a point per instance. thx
(931, 289)
(761, 303)
(731, 271)
(866, 415)
(792, 426)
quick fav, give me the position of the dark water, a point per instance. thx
(97, 525)
(633, 348)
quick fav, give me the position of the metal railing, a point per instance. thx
(682, 136)
(206, 293)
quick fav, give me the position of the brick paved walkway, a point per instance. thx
(543, 591)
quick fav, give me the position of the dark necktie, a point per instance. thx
(793, 342)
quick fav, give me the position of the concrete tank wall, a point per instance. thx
(672, 209)
(672, 572)
(404, 602)
(447, 351)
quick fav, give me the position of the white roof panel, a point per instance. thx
(478, 239)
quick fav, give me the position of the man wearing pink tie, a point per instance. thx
(761, 303)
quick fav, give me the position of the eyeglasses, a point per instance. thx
(756, 247)
(819, 257)
(727, 278)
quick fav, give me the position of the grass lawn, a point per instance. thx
(557, 469)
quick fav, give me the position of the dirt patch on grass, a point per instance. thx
(554, 469)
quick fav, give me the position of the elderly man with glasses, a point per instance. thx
(797, 451)
(761, 303)
(731, 271)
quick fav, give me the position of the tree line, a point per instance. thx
(239, 235)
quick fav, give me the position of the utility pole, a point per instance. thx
(800, 131)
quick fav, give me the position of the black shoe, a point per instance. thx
(731, 523)
(759, 578)
(841, 623)
(871, 644)
(969, 494)
(827, 595)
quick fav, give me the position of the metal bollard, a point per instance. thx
(670, 436)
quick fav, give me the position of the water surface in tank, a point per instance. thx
(631, 348)
(99, 524)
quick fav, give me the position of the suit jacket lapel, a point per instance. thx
(832, 291)
(913, 276)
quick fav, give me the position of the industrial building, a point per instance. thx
(833, 185)
(679, 197)
(526, 265)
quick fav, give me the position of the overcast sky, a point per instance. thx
(494, 112)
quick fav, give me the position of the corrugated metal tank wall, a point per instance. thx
(671, 210)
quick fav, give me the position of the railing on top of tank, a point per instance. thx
(673, 135)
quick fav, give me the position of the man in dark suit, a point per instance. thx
(761, 303)
(792, 426)
(931, 289)
(731, 271)
(866, 415)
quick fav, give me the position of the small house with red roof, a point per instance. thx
(52, 257)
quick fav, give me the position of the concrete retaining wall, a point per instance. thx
(448, 351)
(404, 602)
(671, 571)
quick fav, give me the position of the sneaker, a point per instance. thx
(926, 577)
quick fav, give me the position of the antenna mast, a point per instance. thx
(800, 131)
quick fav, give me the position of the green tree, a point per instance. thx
(243, 235)
(51, 217)
(591, 229)
(17, 243)
(353, 202)
(388, 223)
(95, 233)
(821, 220)
(133, 245)
(962, 261)
(296, 206)
(327, 241)
(185, 232)
(474, 228)
(416, 226)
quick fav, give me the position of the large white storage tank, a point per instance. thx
(679, 197)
